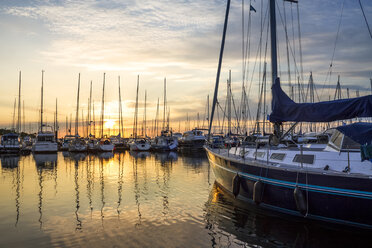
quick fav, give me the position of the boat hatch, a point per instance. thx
(304, 158)
(278, 156)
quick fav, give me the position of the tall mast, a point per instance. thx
(41, 107)
(229, 104)
(121, 132)
(219, 65)
(103, 105)
(274, 65)
(136, 112)
(77, 110)
(19, 105)
(165, 100)
(144, 117)
(208, 109)
(56, 128)
(90, 108)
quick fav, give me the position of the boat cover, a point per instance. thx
(285, 109)
(360, 132)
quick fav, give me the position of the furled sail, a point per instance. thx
(284, 109)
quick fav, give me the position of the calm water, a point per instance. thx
(140, 200)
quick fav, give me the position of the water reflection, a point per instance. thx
(45, 164)
(10, 166)
(120, 182)
(230, 221)
(142, 199)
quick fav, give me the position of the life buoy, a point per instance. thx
(300, 200)
(257, 191)
(236, 185)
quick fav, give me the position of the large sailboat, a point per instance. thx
(138, 143)
(330, 184)
(104, 144)
(166, 141)
(45, 140)
(78, 144)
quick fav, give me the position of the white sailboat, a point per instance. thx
(104, 144)
(45, 140)
(78, 144)
(138, 143)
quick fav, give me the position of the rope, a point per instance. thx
(329, 73)
(365, 18)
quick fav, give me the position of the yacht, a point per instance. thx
(10, 143)
(45, 143)
(165, 142)
(193, 140)
(139, 144)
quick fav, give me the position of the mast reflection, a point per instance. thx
(47, 163)
(10, 163)
(77, 157)
(136, 191)
(120, 182)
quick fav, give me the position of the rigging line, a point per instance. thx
(365, 18)
(287, 41)
(329, 73)
(290, 48)
(248, 45)
(254, 66)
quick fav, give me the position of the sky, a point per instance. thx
(179, 40)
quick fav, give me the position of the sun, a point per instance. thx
(109, 124)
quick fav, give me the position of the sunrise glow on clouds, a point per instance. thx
(178, 40)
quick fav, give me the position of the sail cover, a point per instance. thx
(360, 132)
(284, 109)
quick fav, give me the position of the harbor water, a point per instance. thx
(141, 200)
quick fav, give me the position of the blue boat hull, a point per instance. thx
(332, 198)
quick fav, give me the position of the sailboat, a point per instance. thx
(10, 142)
(45, 140)
(166, 141)
(330, 184)
(78, 144)
(138, 143)
(104, 144)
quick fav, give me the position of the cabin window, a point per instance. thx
(277, 156)
(258, 154)
(337, 139)
(304, 158)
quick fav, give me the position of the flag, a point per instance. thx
(252, 9)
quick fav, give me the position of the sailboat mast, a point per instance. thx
(66, 125)
(103, 104)
(165, 100)
(19, 105)
(274, 63)
(219, 66)
(41, 107)
(136, 112)
(120, 113)
(90, 109)
(56, 128)
(77, 110)
(144, 117)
